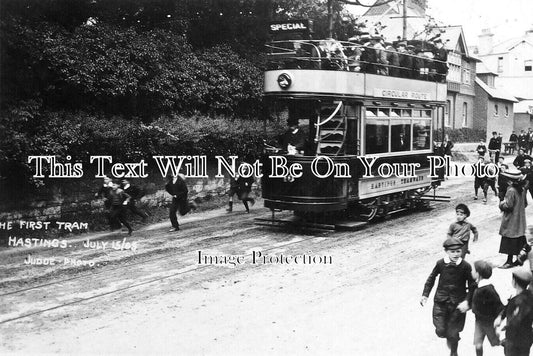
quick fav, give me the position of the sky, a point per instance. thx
(505, 18)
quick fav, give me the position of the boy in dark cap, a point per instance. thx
(119, 200)
(495, 146)
(135, 193)
(479, 178)
(519, 314)
(242, 187)
(486, 305)
(451, 298)
(461, 228)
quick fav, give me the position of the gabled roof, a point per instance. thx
(507, 45)
(481, 68)
(495, 93)
(379, 10)
(395, 7)
(453, 38)
(390, 14)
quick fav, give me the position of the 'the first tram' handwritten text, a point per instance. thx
(280, 167)
(43, 225)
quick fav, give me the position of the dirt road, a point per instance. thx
(158, 299)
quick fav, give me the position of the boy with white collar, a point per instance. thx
(451, 298)
(486, 305)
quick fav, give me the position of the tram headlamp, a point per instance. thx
(284, 81)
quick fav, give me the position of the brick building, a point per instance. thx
(459, 110)
(493, 107)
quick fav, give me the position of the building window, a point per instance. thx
(466, 76)
(465, 114)
(506, 110)
(527, 65)
(447, 113)
(500, 64)
(496, 111)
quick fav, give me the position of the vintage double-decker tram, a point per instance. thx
(348, 115)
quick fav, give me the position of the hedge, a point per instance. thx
(80, 135)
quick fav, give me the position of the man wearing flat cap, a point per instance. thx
(451, 298)
(440, 55)
(519, 314)
(405, 60)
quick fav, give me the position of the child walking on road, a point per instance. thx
(451, 298)
(461, 228)
(486, 305)
(519, 314)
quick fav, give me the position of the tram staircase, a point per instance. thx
(331, 129)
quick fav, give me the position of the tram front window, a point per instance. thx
(298, 137)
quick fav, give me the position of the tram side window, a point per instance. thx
(400, 135)
(409, 130)
(421, 134)
(377, 136)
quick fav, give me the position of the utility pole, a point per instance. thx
(330, 18)
(404, 28)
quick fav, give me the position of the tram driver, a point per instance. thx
(293, 141)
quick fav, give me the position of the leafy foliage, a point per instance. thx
(121, 71)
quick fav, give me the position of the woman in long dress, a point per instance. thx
(513, 226)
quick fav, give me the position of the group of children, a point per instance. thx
(461, 288)
(120, 197)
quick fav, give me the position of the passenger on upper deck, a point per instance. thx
(405, 59)
(422, 64)
(441, 57)
(333, 51)
(375, 55)
(394, 60)
(355, 51)
(381, 56)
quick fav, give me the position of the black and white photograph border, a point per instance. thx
(197, 177)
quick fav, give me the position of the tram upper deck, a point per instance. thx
(339, 70)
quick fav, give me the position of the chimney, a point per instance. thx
(485, 41)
